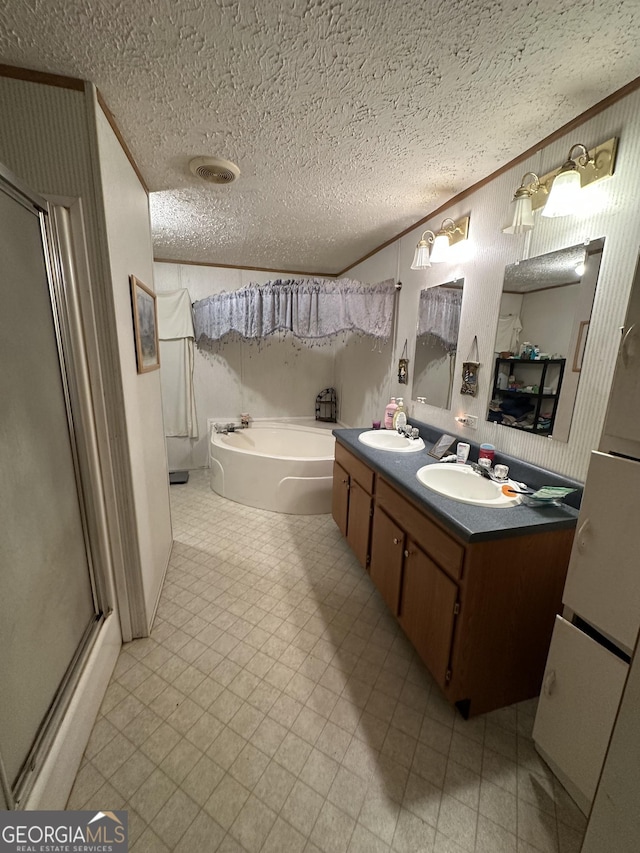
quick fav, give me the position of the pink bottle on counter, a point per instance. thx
(389, 412)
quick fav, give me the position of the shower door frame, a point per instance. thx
(76, 387)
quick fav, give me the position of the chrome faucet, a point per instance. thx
(223, 429)
(485, 471)
(408, 431)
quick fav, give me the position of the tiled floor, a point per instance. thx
(278, 708)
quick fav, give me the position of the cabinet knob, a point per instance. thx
(396, 541)
(406, 553)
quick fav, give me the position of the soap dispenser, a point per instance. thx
(400, 415)
(389, 413)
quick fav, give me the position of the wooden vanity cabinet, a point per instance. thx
(426, 597)
(352, 501)
(428, 609)
(479, 614)
(387, 558)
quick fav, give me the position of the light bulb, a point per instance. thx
(564, 198)
(440, 251)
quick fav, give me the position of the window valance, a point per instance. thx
(312, 310)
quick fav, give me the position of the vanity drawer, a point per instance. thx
(355, 468)
(442, 549)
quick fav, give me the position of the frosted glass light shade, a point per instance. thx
(522, 216)
(440, 251)
(564, 198)
(421, 256)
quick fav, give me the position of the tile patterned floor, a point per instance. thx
(277, 707)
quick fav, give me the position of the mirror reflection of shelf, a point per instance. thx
(530, 399)
(548, 298)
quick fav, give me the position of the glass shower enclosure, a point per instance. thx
(50, 607)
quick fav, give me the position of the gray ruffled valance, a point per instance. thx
(439, 316)
(310, 309)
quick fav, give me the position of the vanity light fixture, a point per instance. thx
(564, 195)
(558, 192)
(450, 233)
(522, 207)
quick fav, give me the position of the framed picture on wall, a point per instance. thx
(145, 326)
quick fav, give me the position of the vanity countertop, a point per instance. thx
(468, 522)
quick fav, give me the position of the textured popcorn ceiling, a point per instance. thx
(349, 120)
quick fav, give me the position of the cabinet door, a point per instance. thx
(387, 546)
(580, 695)
(340, 497)
(427, 610)
(359, 522)
(602, 583)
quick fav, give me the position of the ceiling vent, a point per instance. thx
(214, 170)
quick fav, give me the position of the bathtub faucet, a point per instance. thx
(223, 429)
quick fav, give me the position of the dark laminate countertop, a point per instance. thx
(468, 522)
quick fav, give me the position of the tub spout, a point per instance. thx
(223, 429)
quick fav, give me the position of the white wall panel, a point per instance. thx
(129, 239)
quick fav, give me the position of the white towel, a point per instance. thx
(175, 331)
(509, 328)
(175, 319)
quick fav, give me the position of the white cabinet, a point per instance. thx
(584, 678)
(581, 691)
(603, 580)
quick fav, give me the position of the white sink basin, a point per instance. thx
(462, 483)
(389, 439)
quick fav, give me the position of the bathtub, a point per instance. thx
(276, 466)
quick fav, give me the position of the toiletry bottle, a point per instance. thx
(389, 412)
(400, 415)
(462, 452)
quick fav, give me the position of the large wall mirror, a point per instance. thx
(542, 332)
(436, 343)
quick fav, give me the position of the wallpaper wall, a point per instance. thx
(610, 210)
